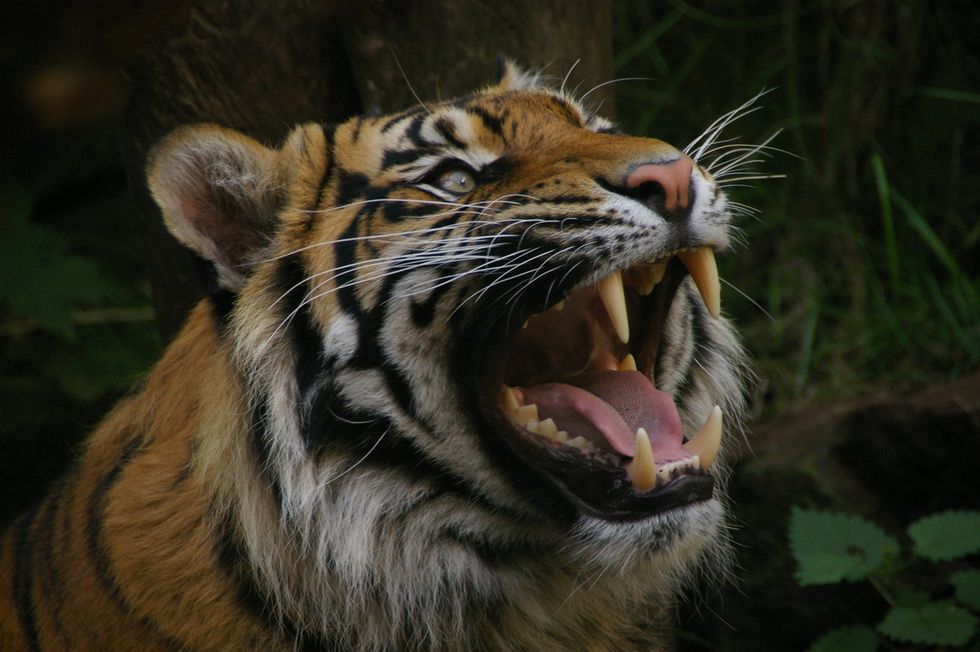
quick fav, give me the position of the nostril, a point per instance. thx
(664, 187)
(649, 193)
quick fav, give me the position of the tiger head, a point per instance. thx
(480, 342)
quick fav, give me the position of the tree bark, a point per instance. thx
(262, 67)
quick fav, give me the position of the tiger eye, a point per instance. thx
(458, 182)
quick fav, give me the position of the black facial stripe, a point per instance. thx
(447, 130)
(492, 123)
(393, 157)
(398, 117)
(369, 440)
(423, 312)
(329, 137)
(299, 329)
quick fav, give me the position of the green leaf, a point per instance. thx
(39, 278)
(846, 639)
(933, 623)
(947, 535)
(967, 586)
(831, 547)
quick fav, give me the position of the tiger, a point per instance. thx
(464, 384)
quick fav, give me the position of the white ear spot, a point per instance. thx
(513, 78)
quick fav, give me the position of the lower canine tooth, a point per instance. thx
(706, 442)
(701, 264)
(643, 469)
(627, 364)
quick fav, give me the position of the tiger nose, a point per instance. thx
(664, 186)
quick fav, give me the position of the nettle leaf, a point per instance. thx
(967, 586)
(846, 639)
(933, 623)
(831, 547)
(947, 535)
(39, 278)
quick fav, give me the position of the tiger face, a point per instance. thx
(481, 343)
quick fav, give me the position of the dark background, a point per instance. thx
(855, 287)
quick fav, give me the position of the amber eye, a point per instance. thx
(458, 182)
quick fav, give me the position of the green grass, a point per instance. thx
(864, 256)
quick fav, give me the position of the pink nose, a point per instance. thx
(673, 177)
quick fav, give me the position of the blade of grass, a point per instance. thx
(887, 221)
(931, 240)
(948, 94)
(972, 347)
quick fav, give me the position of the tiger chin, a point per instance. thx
(465, 386)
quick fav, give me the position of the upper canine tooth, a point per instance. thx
(701, 264)
(643, 469)
(611, 292)
(509, 400)
(706, 442)
(627, 364)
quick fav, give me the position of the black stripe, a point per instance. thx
(393, 157)
(493, 553)
(261, 442)
(22, 535)
(301, 332)
(98, 555)
(491, 122)
(447, 129)
(233, 558)
(398, 117)
(423, 312)
(222, 302)
(52, 583)
(329, 137)
(356, 134)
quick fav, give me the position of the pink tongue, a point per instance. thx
(611, 405)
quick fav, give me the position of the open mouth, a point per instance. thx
(578, 399)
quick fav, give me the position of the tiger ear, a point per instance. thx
(511, 77)
(219, 191)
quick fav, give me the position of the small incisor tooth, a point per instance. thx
(548, 428)
(701, 264)
(627, 364)
(643, 469)
(707, 441)
(611, 293)
(526, 413)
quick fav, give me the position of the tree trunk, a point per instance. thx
(262, 67)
